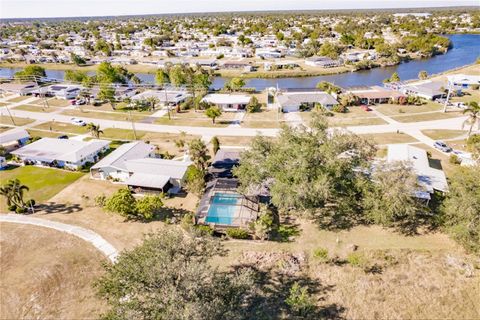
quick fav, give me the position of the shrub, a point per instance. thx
(204, 230)
(122, 202)
(12, 207)
(454, 159)
(30, 203)
(299, 300)
(100, 200)
(339, 108)
(147, 207)
(321, 254)
(357, 259)
(237, 233)
(188, 221)
(20, 210)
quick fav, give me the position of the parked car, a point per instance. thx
(78, 122)
(442, 146)
(63, 137)
(80, 101)
(97, 102)
(365, 108)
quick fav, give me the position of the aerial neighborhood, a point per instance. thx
(249, 165)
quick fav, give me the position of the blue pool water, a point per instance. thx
(222, 209)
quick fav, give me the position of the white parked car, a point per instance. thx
(78, 122)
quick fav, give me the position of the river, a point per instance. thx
(465, 50)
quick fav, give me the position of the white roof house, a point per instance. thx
(426, 89)
(228, 102)
(135, 165)
(164, 96)
(17, 136)
(66, 152)
(18, 88)
(430, 178)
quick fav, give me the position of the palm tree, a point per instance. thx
(14, 190)
(473, 111)
(94, 129)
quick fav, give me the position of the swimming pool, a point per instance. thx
(223, 207)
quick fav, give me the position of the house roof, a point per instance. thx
(69, 150)
(430, 178)
(146, 180)
(297, 98)
(13, 135)
(375, 92)
(155, 166)
(162, 96)
(429, 88)
(224, 98)
(17, 86)
(125, 152)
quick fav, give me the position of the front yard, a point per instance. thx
(396, 109)
(266, 118)
(5, 119)
(61, 127)
(196, 119)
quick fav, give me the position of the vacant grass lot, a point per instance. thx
(46, 134)
(5, 119)
(263, 119)
(85, 114)
(234, 141)
(196, 119)
(43, 183)
(389, 138)
(468, 96)
(443, 134)
(395, 109)
(47, 274)
(62, 127)
(18, 99)
(36, 108)
(426, 116)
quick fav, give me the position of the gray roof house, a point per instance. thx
(14, 137)
(63, 153)
(429, 178)
(135, 165)
(427, 89)
(291, 101)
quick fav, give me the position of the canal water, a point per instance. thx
(466, 49)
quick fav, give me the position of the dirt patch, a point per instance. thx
(47, 274)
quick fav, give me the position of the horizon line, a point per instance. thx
(246, 11)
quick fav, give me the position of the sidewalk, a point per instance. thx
(95, 239)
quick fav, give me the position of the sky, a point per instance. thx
(78, 8)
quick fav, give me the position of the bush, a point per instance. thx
(204, 230)
(237, 233)
(339, 108)
(300, 301)
(30, 203)
(12, 207)
(20, 210)
(321, 254)
(147, 207)
(357, 259)
(188, 221)
(454, 159)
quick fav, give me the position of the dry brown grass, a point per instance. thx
(47, 274)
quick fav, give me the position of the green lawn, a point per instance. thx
(264, 119)
(18, 99)
(44, 183)
(196, 119)
(45, 134)
(121, 116)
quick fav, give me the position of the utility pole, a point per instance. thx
(133, 125)
(166, 102)
(11, 118)
(448, 96)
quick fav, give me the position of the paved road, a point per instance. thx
(95, 239)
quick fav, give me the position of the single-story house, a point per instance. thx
(374, 94)
(170, 97)
(18, 88)
(463, 80)
(121, 93)
(269, 53)
(224, 161)
(14, 138)
(430, 179)
(429, 90)
(291, 101)
(237, 65)
(227, 101)
(205, 63)
(62, 153)
(135, 165)
(324, 62)
(61, 91)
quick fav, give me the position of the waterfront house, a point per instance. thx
(429, 90)
(61, 91)
(296, 99)
(18, 88)
(227, 101)
(62, 153)
(164, 97)
(323, 62)
(374, 94)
